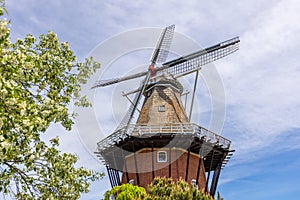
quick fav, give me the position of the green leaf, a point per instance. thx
(38, 80)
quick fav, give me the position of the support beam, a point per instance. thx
(125, 165)
(170, 157)
(113, 172)
(215, 179)
(185, 98)
(125, 95)
(109, 176)
(113, 177)
(187, 164)
(118, 177)
(136, 167)
(137, 99)
(199, 168)
(216, 176)
(193, 97)
(212, 158)
(152, 148)
(114, 159)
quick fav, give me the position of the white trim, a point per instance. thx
(166, 158)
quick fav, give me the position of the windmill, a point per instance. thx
(163, 141)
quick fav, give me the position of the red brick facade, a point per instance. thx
(161, 169)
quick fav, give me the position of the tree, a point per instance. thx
(167, 189)
(126, 192)
(38, 80)
(159, 189)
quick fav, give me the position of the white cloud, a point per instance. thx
(263, 92)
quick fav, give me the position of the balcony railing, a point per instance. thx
(146, 130)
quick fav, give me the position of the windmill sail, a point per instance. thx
(159, 55)
(161, 51)
(102, 83)
(186, 64)
(130, 113)
(193, 61)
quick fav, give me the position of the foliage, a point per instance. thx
(126, 192)
(159, 189)
(167, 189)
(38, 80)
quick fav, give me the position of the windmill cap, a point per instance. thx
(166, 82)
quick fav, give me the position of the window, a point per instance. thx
(161, 108)
(162, 156)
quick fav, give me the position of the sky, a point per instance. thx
(260, 81)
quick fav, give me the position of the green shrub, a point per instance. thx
(126, 192)
(159, 189)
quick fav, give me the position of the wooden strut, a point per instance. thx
(185, 98)
(116, 173)
(199, 164)
(193, 97)
(125, 165)
(113, 174)
(215, 179)
(138, 99)
(187, 164)
(130, 101)
(152, 148)
(135, 163)
(109, 176)
(170, 161)
(212, 156)
(114, 159)
(118, 177)
(216, 176)
(113, 178)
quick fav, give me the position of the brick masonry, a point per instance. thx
(178, 167)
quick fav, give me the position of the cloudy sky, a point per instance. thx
(261, 81)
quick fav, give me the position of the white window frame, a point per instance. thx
(162, 108)
(166, 157)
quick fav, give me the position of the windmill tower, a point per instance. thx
(163, 142)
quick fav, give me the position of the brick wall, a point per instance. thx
(178, 167)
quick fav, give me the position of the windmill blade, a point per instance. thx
(192, 62)
(159, 55)
(133, 107)
(163, 45)
(117, 80)
(185, 64)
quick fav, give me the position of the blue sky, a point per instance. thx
(261, 81)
